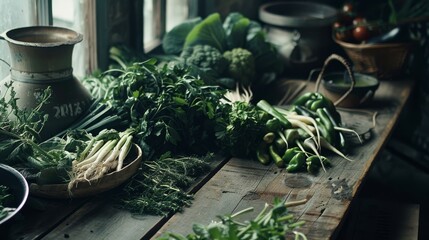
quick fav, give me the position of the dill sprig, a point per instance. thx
(160, 187)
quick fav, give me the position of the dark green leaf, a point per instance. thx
(208, 32)
(236, 26)
(173, 41)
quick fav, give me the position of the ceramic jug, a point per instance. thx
(41, 57)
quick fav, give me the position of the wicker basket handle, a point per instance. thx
(349, 71)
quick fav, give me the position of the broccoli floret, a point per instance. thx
(205, 57)
(241, 65)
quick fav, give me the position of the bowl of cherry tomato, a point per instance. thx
(368, 42)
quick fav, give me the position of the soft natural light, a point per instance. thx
(148, 21)
(63, 10)
(177, 12)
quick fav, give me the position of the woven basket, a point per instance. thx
(382, 60)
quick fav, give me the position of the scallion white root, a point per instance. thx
(350, 131)
(303, 126)
(103, 158)
(328, 146)
(307, 124)
(124, 152)
(282, 136)
(96, 147)
(309, 142)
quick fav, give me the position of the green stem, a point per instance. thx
(39, 149)
(27, 141)
(296, 224)
(242, 212)
(285, 218)
(9, 134)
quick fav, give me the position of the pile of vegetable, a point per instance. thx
(177, 114)
(56, 159)
(167, 109)
(273, 222)
(102, 154)
(235, 51)
(5, 196)
(292, 138)
(378, 21)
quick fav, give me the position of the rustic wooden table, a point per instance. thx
(234, 184)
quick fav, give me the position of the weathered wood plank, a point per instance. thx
(243, 183)
(99, 219)
(38, 217)
(239, 184)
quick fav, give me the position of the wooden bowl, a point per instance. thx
(93, 187)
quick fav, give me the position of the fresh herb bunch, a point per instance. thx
(160, 188)
(21, 145)
(273, 222)
(5, 196)
(240, 130)
(170, 110)
(20, 128)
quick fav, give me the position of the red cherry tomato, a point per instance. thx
(347, 13)
(348, 8)
(361, 33)
(337, 25)
(359, 21)
(342, 32)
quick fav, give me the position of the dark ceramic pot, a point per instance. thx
(301, 31)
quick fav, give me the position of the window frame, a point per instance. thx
(136, 22)
(44, 12)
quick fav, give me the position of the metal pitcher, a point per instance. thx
(41, 57)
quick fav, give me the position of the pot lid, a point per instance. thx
(297, 14)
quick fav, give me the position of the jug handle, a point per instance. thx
(3, 38)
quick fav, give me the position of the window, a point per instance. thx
(16, 14)
(76, 15)
(161, 16)
(177, 12)
(142, 24)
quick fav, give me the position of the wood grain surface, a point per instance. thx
(234, 184)
(243, 183)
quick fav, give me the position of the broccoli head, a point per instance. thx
(241, 65)
(204, 57)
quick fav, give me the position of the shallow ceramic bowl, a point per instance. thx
(18, 188)
(86, 189)
(337, 84)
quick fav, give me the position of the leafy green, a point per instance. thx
(237, 31)
(236, 26)
(267, 61)
(173, 41)
(240, 131)
(5, 197)
(406, 10)
(270, 223)
(170, 109)
(208, 32)
(160, 187)
(20, 128)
